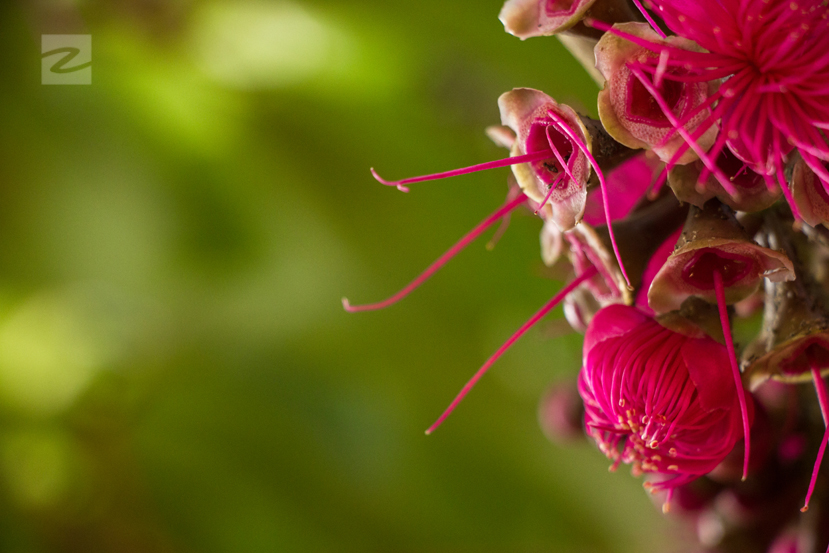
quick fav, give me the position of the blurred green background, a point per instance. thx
(176, 371)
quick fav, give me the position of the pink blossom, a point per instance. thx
(774, 55)
(657, 399)
(561, 177)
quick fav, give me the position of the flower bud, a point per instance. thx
(561, 413)
(530, 18)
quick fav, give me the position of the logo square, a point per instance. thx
(66, 59)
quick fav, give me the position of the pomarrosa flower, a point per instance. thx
(561, 178)
(657, 399)
(774, 57)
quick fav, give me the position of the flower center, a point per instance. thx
(543, 136)
(737, 171)
(643, 107)
(558, 7)
(699, 271)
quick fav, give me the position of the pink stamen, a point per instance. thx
(589, 273)
(778, 166)
(602, 184)
(564, 165)
(728, 185)
(729, 342)
(649, 18)
(681, 55)
(526, 158)
(661, 67)
(441, 261)
(549, 193)
(823, 400)
(657, 185)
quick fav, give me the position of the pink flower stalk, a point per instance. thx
(774, 55)
(658, 399)
(823, 400)
(632, 115)
(719, 288)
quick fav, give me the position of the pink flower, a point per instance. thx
(714, 242)
(560, 177)
(774, 57)
(659, 400)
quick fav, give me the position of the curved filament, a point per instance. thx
(506, 162)
(441, 261)
(603, 185)
(823, 399)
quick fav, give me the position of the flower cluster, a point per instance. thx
(726, 102)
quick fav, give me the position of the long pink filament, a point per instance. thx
(823, 399)
(589, 273)
(549, 193)
(732, 356)
(441, 261)
(562, 125)
(666, 110)
(526, 158)
(649, 18)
